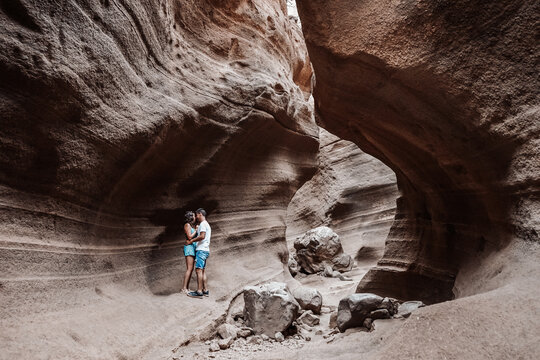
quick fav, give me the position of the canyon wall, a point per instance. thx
(446, 94)
(118, 116)
(352, 193)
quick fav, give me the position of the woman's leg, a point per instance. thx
(189, 271)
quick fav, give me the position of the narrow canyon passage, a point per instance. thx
(120, 115)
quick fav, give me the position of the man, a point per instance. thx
(204, 232)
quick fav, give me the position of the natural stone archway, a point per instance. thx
(352, 193)
(117, 116)
(446, 95)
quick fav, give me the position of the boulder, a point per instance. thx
(355, 308)
(319, 248)
(408, 307)
(269, 308)
(308, 298)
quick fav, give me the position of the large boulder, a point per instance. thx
(269, 308)
(319, 248)
(354, 309)
(308, 298)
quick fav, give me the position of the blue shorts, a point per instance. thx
(189, 250)
(200, 259)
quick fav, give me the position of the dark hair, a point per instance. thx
(189, 216)
(201, 211)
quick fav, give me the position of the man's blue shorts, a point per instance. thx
(189, 250)
(200, 259)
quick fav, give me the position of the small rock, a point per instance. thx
(408, 307)
(265, 337)
(214, 347)
(308, 318)
(207, 342)
(279, 337)
(244, 332)
(294, 268)
(319, 332)
(308, 298)
(254, 340)
(390, 304)
(333, 320)
(328, 271)
(225, 343)
(308, 338)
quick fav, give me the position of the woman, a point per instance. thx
(189, 250)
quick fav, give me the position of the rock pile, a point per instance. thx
(271, 314)
(319, 248)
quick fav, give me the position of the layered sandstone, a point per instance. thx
(445, 94)
(117, 116)
(352, 193)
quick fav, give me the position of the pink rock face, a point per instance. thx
(444, 95)
(117, 116)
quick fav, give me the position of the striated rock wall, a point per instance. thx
(352, 193)
(117, 116)
(446, 94)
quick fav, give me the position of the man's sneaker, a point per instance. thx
(195, 294)
(206, 293)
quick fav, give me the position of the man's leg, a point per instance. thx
(205, 281)
(200, 279)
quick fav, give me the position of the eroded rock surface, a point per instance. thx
(352, 193)
(446, 96)
(117, 116)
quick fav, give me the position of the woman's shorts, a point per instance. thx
(189, 250)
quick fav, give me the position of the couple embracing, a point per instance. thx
(196, 250)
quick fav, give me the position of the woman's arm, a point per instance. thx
(187, 231)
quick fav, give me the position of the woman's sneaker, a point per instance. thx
(195, 294)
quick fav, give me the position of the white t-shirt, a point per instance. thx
(204, 244)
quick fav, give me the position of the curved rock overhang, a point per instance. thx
(446, 94)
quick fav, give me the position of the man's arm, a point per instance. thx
(200, 237)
